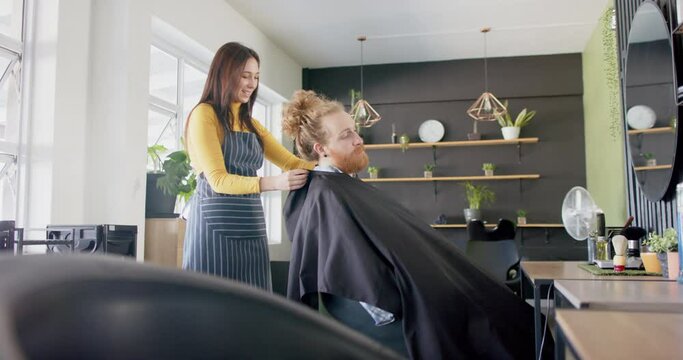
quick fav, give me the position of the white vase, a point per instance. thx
(510, 132)
(488, 172)
(428, 174)
(472, 214)
(641, 117)
(651, 162)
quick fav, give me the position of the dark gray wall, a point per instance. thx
(408, 94)
(658, 215)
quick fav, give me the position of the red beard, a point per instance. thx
(352, 163)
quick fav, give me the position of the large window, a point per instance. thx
(175, 85)
(11, 54)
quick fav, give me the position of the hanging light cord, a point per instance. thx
(361, 67)
(486, 67)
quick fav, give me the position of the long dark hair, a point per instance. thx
(224, 76)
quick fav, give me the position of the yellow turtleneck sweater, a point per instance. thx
(204, 146)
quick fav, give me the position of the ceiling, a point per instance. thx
(323, 33)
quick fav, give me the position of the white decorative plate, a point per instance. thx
(431, 131)
(641, 117)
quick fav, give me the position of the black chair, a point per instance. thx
(92, 307)
(500, 259)
(505, 230)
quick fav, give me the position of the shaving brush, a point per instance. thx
(619, 243)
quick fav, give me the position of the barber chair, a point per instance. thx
(93, 307)
(505, 230)
(495, 252)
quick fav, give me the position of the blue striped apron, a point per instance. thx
(226, 234)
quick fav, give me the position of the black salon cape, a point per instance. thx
(352, 240)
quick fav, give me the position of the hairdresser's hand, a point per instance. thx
(290, 180)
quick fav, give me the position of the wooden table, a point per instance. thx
(652, 296)
(619, 335)
(542, 274)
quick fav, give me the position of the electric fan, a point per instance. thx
(578, 213)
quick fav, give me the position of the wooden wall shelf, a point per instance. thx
(657, 130)
(649, 168)
(457, 178)
(419, 145)
(463, 226)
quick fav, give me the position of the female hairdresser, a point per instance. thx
(226, 229)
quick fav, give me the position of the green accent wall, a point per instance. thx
(605, 163)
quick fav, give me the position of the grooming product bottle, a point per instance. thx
(592, 237)
(602, 245)
(394, 138)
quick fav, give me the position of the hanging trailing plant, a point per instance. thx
(611, 69)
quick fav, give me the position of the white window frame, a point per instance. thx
(18, 66)
(272, 200)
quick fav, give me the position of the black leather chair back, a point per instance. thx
(505, 230)
(92, 307)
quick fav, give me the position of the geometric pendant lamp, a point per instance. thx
(362, 112)
(487, 107)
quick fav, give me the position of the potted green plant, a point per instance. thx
(477, 195)
(666, 248)
(650, 159)
(174, 183)
(429, 170)
(373, 171)
(179, 179)
(521, 217)
(511, 129)
(488, 168)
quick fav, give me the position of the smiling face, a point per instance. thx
(249, 80)
(344, 147)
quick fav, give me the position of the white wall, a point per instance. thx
(87, 136)
(117, 113)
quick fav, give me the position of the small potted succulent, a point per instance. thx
(488, 168)
(666, 248)
(477, 195)
(511, 129)
(429, 170)
(373, 171)
(521, 217)
(650, 159)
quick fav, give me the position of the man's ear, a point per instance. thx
(319, 149)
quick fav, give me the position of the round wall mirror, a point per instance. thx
(651, 108)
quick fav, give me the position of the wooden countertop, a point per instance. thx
(660, 296)
(622, 335)
(559, 270)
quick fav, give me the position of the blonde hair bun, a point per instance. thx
(299, 111)
(302, 119)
